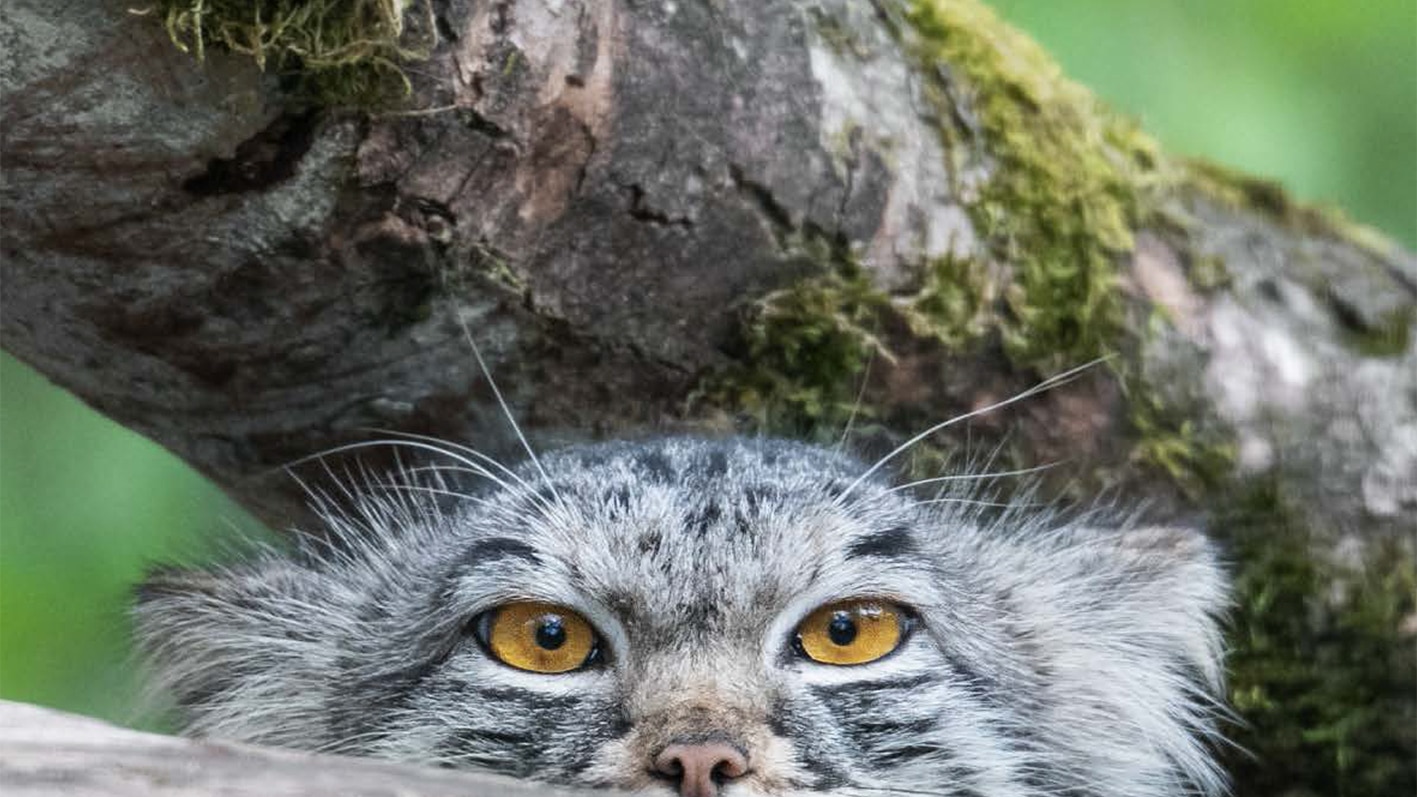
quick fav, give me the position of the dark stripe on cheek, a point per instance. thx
(512, 754)
(905, 727)
(544, 737)
(893, 542)
(976, 683)
(871, 687)
(806, 737)
(909, 752)
(530, 701)
(480, 738)
(872, 713)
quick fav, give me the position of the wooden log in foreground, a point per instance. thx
(44, 753)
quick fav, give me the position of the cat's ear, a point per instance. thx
(240, 649)
(1146, 599)
(1171, 581)
(1126, 621)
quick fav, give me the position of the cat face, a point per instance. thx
(715, 618)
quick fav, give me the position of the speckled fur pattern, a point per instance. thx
(1051, 654)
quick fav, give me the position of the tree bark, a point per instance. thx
(603, 190)
(782, 216)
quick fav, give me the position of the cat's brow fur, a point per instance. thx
(1051, 655)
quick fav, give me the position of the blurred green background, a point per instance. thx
(1320, 94)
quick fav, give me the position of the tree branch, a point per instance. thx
(46, 753)
(618, 200)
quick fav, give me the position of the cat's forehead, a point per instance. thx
(705, 530)
(690, 462)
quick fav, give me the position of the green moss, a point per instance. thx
(1177, 436)
(1323, 660)
(1193, 458)
(955, 304)
(803, 351)
(340, 52)
(1069, 182)
(488, 262)
(1062, 198)
(1066, 187)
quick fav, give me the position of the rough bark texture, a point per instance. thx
(46, 753)
(602, 190)
(701, 216)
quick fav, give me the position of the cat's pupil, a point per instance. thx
(550, 635)
(842, 629)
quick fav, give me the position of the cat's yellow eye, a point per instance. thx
(539, 637)
(851, 632)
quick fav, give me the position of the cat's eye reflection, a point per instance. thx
(851, 632)
(538, 637)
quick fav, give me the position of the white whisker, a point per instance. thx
(856, 405)
(964, 477)
(418, 488)
(978, 502)
(501, 402)
(1047, 384)
(458, 447)
(415, 444)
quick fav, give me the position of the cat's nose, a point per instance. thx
(699, 768)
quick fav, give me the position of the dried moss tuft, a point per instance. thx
(338, 52)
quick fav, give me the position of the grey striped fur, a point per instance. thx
(1050, 655)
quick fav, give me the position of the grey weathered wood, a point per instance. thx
(47, 753)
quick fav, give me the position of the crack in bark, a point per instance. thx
(584, 169)
(482, 124)
(441, 22)
(501, 22)
(788, 234)
(263, 160)
(853, 164)
(643, 212)
(763, 199)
